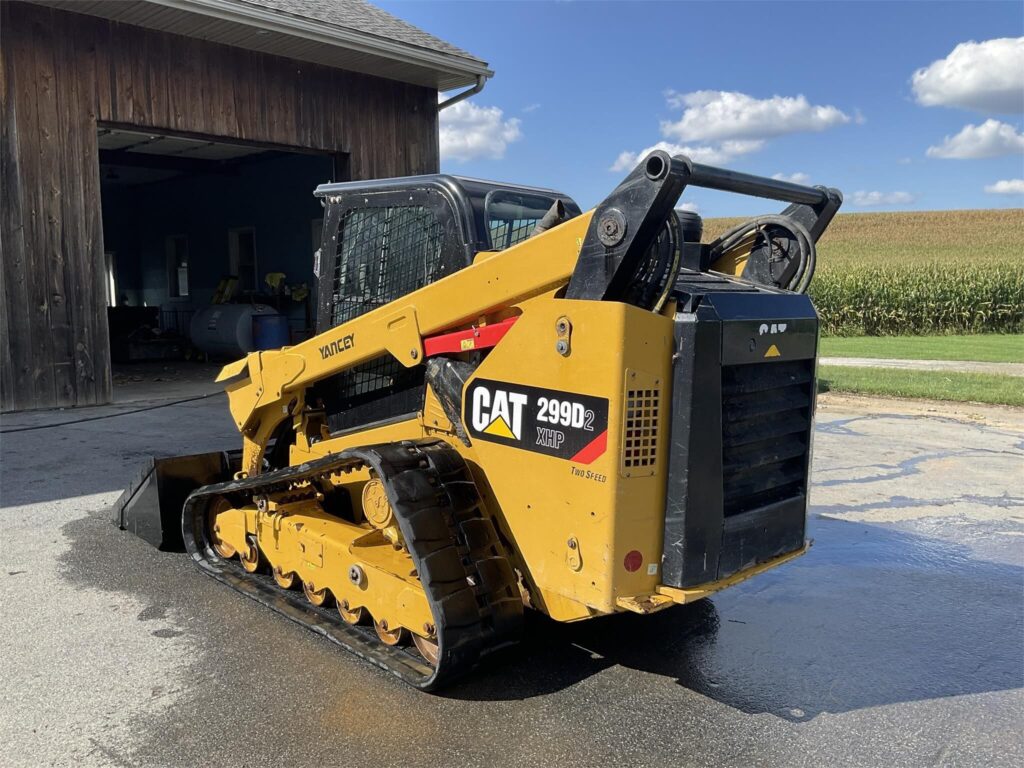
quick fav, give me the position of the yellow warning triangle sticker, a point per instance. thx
(500, 428)
(773, 351)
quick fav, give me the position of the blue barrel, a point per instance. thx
(270, 331)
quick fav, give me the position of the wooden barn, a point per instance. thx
(157, 154)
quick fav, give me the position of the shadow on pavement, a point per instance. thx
(870, 616)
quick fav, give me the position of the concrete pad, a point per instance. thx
(895, 641)
(170, 380)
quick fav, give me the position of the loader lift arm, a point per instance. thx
(266, 387)
(598, 255)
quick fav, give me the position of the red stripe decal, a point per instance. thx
(480, 337)
(592, 450)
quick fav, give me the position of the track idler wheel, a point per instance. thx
(316, 597)
(395, 636)
(427, 648)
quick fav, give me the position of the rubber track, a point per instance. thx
(471, 587)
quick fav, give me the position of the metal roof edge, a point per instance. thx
(318, 31)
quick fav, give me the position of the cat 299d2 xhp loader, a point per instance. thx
(509, 404)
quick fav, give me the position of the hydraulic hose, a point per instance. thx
(673, 270)
(806, 254)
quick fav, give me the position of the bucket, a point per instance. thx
(270, 331)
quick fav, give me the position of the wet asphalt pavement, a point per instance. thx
(899, 639)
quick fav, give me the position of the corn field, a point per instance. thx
(933, 272)
(927, 299)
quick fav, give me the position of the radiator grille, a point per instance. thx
(640, 427)
(766, 418)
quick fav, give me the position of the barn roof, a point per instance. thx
(360, 16)
(348, 34)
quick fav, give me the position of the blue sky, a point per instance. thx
(577, 84)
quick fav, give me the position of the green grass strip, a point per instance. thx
(932, 385)
(984, 348)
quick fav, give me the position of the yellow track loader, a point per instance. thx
(512, 404)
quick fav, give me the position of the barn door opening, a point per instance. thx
(202, 232)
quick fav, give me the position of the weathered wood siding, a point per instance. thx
(63, 73)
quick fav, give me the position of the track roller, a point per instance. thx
(220, 546)
(284, 580)
(316, 597)
(251, 558)
(396, 636)
(351, 615)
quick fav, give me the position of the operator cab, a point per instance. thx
(386, 238)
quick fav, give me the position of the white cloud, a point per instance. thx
(1006, 187)
(796, 178)
(866, 199)
(737, 147)
(531, 107)
(626, 161)
(718, 126)
(990, 139)
(710, 155)
(688, 207)
(986, 76)
(469, 132)
(721, 115)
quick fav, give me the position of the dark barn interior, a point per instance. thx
(151, 150)
(188, 221)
